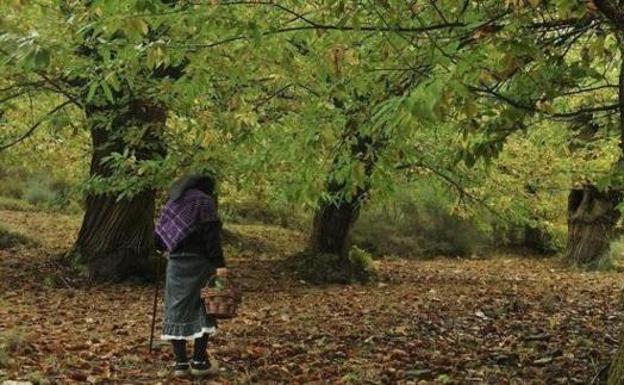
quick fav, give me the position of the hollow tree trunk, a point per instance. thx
(116, 237)
(592, 216)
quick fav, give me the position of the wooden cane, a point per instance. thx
(157, 287)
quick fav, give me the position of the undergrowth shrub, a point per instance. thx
(35, 190)
(613, 259)
(39, 194)
(534, 237)
(47, 192)
(254, 212)
(418, 224)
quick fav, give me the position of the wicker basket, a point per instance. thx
(221, 303)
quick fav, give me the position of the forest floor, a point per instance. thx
(504, 320)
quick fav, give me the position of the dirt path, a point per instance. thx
(502, 321)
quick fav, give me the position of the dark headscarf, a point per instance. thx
(202, 182)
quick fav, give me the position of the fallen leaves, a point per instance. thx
(503, 321)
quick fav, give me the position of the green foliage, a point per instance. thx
(248, 212)
(361, 259)
(613, 259)
(506, 104)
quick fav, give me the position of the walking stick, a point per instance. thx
(157, 287)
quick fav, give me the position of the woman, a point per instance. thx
(189, 229)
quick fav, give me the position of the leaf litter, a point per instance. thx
(506, 320)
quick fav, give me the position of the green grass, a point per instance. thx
(10, 239)
(14, 204)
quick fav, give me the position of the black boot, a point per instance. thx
(201, 365)
(182, 366)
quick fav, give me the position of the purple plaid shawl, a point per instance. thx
(181, 217)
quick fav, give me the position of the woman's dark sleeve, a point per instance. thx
(212, 239)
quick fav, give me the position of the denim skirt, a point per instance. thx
(185, 313)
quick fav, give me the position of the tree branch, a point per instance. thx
(462, 191)
(32, 128)
(531, 108)
(325, 27)
(611, 12)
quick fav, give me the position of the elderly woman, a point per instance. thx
(189, 230)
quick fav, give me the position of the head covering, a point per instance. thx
(203, 182)
(186, 209)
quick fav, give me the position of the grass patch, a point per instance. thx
(37, 378)
(14, 204)
(12, 342)
(5, 358)
(9, 239)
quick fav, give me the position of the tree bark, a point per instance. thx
(333, 222)
(334, 219)
(616, 370)
(592, 216)
(116, 237)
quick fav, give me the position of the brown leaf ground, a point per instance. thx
(501, 321)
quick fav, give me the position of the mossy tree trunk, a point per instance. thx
(116, 237)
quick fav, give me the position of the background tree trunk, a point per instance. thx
(332, 224)
(592, 216)
(117, 236)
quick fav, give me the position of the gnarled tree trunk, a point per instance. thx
(592, 216)
(116, 237)
(333, 222)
